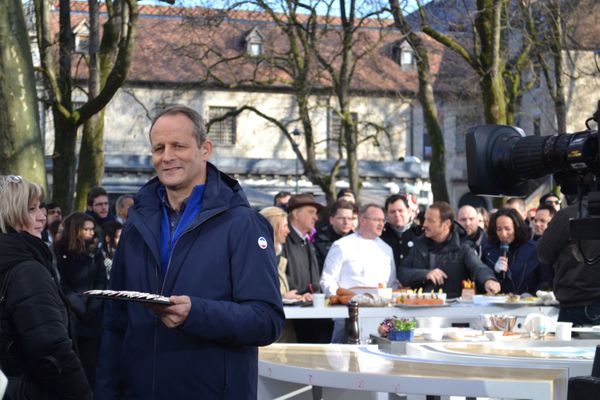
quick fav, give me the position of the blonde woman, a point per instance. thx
(278, 219)
(36, 347)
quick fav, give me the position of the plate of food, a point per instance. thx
(422, 305)
(128, 296)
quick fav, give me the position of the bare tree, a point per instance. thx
(489, 56)
(437, 166)
(59, 79)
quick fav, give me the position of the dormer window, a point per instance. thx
(82, 37)
(403, 55)
(254, 43)
(254, 49)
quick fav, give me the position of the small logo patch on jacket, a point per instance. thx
(262, 242)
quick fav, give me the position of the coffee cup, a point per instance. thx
(563, 330)
(318, 300)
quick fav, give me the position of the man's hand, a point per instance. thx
(491, 286)
(437, 276)
(176, 314)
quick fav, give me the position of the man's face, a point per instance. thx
(304, 218)
(53, 214)
(468, 219)
(123, 211)
(434, 228)
(398, 214)
(178, 160)
(540, 221)
(283, 201)
(100, 206)
(371, 223)
(554, 202)
(342, 221)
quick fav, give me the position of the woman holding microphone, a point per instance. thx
(512, 256)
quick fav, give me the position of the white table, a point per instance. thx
(363, 372)
(462, 314)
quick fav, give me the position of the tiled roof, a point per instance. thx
(188, 46)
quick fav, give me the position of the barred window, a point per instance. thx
(222, 132)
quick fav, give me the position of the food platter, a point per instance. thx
(400, 305)
(128, 296)
(505, 300)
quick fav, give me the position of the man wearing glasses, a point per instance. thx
(359, 259)
(340, 224)
(552, 200)
(98, 206)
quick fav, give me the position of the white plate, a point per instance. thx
(587, 332)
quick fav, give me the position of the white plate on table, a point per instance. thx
(587, 332)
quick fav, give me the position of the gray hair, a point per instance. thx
(193, 115)
(121, 199)
(16, 195)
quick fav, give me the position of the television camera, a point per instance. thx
(502, 160)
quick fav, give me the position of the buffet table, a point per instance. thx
(457, 314)
(364, 372)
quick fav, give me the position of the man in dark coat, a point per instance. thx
(439, 260)
(303, 269)
(193, 237)
(399, 231)
(576, 284)
(342, 214)
(468, 219)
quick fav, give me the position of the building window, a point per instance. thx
(334, 132)
(403, 55)
(407, 58)
(427, 149)
(82, 44)
(254, 43)
(222, 132)
(255, 49)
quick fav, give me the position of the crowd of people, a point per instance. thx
(191, 236)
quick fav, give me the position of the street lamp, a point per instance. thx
(296, 132)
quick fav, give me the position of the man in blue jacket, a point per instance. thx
(191, 236)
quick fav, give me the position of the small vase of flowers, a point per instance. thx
(402, 329)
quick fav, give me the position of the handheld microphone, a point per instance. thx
(504, 251)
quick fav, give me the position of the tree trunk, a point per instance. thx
(437, 165)
(64, 162)
(21, 149)
(91, 154)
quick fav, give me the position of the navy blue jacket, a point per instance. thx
(221, 262)
(525, 274)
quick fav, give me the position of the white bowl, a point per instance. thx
(456, 334)
(434, 335)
